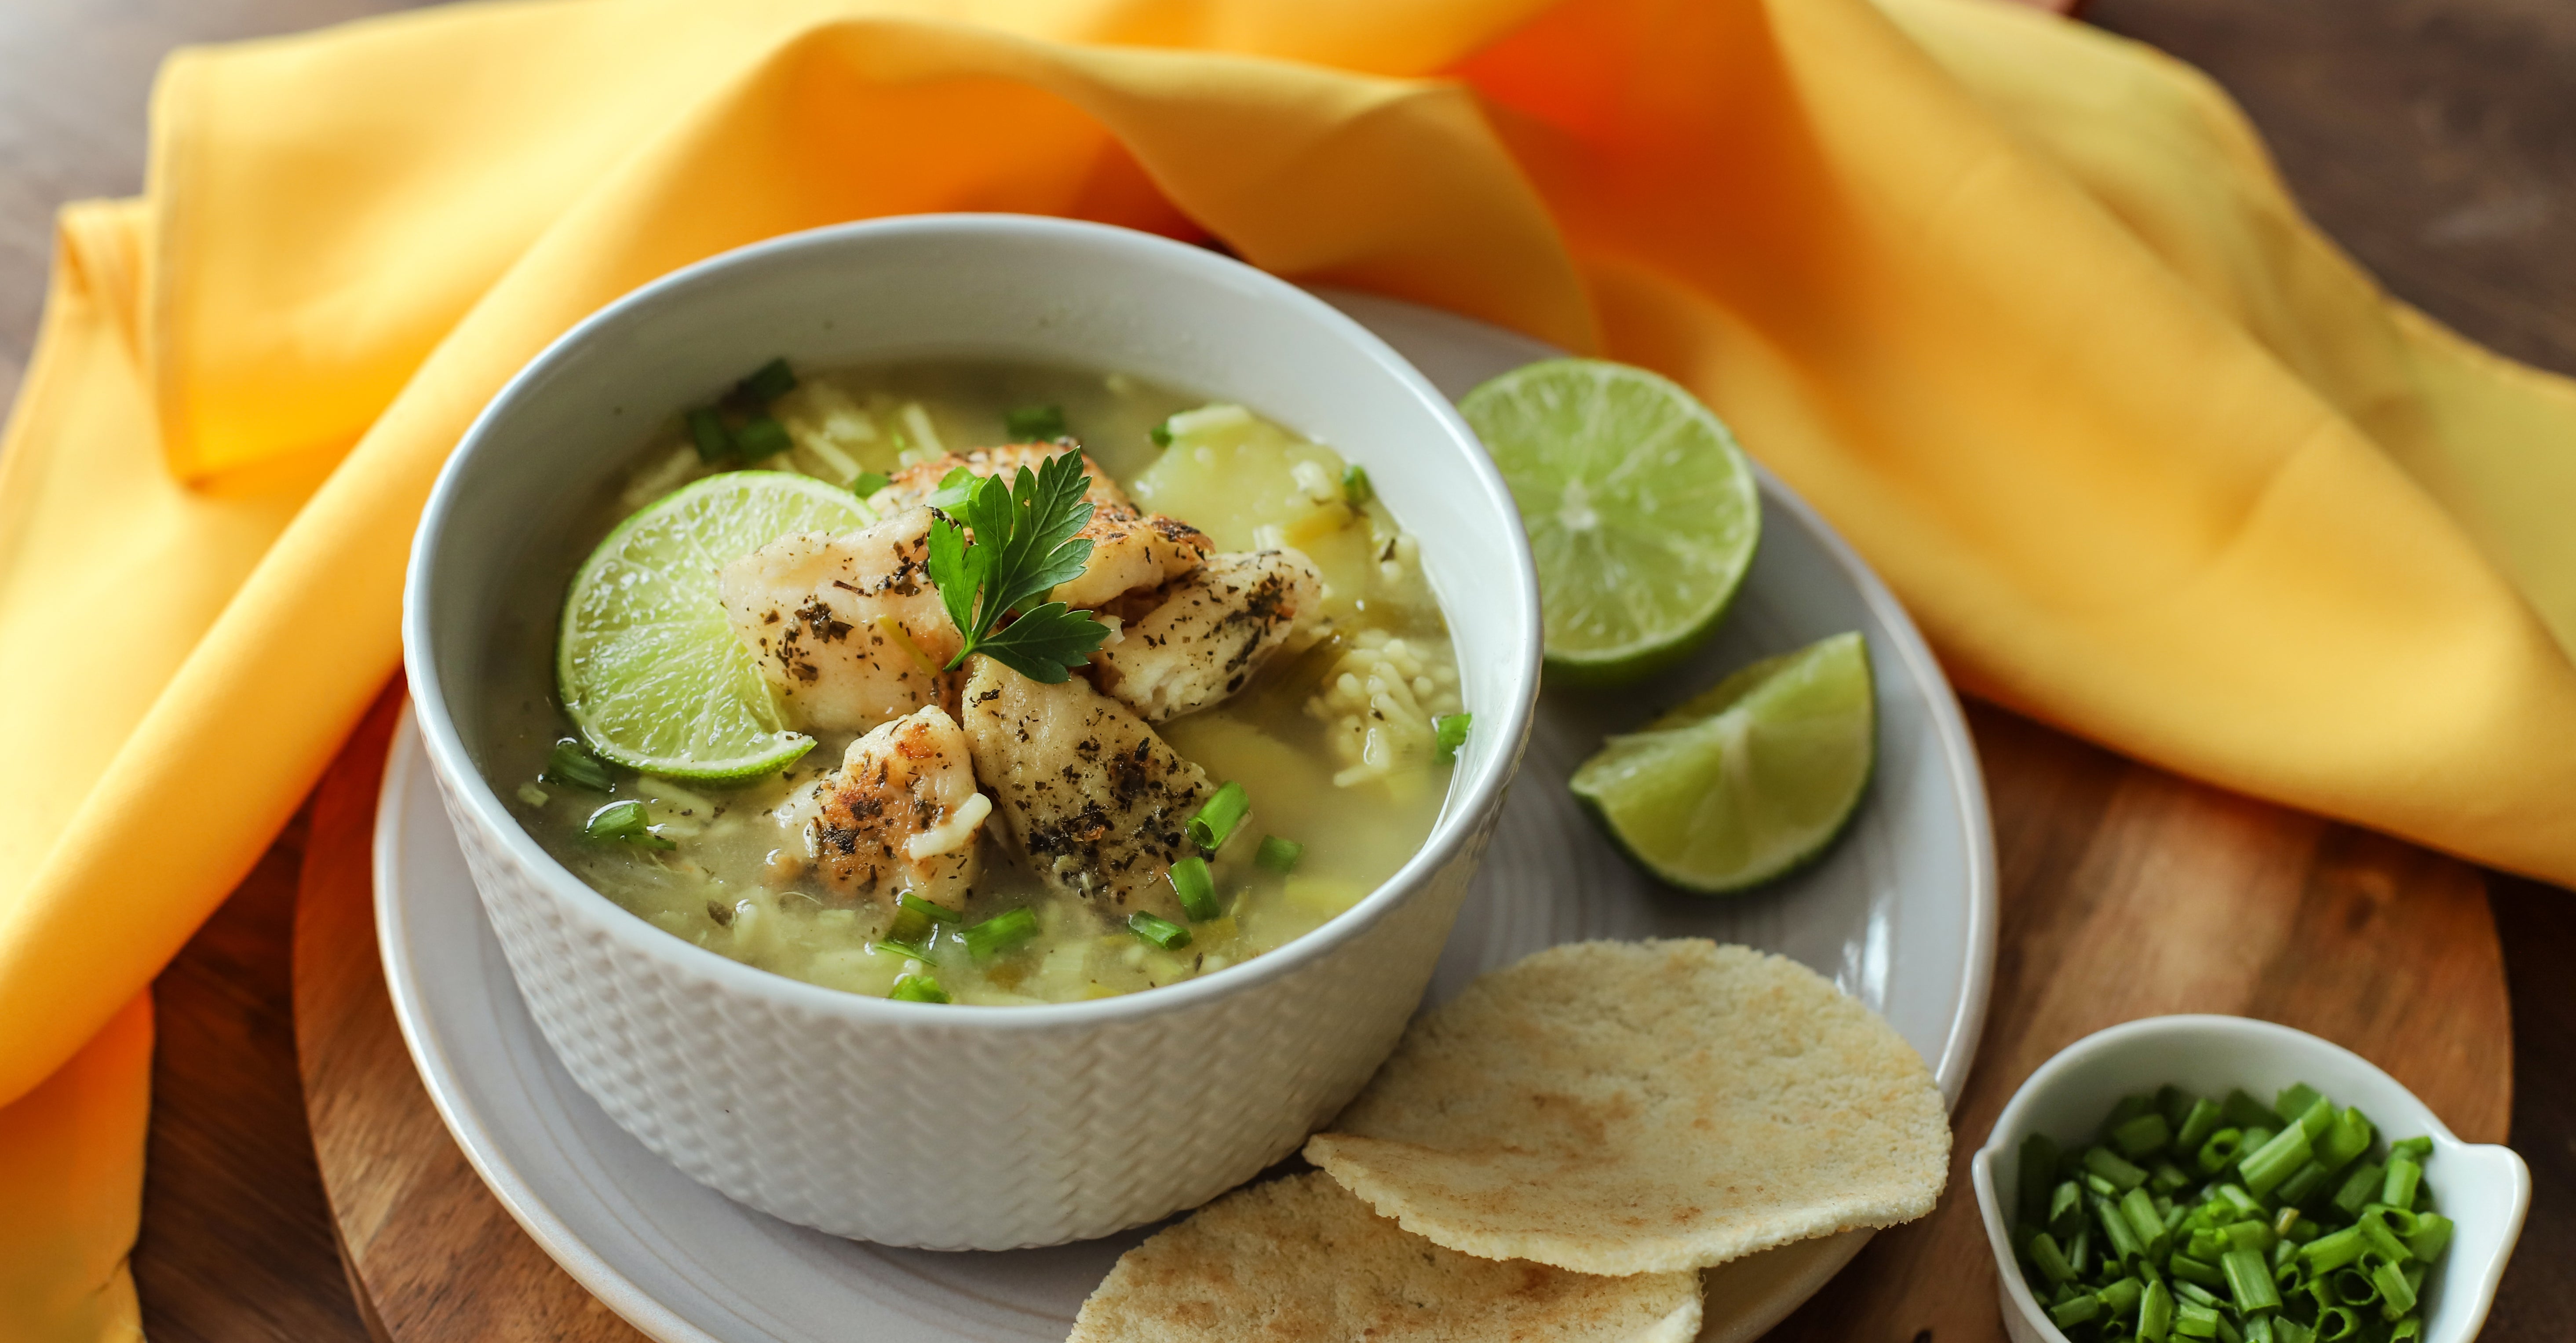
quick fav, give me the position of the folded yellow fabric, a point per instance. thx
(2019, 305)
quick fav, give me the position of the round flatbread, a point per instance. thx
(1299, 1259)
(1644, 1107)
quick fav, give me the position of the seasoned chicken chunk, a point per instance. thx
(1129, 549)
(1097, 801)
(1209, 632)
(902, 814)
(847, 629)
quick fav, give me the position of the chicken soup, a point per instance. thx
(1059, 686)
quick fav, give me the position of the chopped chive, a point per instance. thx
(1450, 730)
(2116, 1228)
(2050, 1259)
(2188, 1269)
(2106, 1163)
(767, 383)
(1161, 433)
(2066, 1209)
(1279, 855)
(905, 947)
(1196, 889)
(2359, 1188)
(2197, 1125)
(627, 821)
(869, 482)
(2295, 1099)
(2303, 1184)
(1218, 817)
(761, 437)
(1160, 931)
(2155, 1314)
(2396, 1294)
(2432, 1234)
(2413, 1149)
(2220, 1151)
(707, 430)
(1356, 489)
(1001, 932)
(2145, 1135)
(1034, 424)
(918, 989)
(2397, 1187)
(929, 909)
(909, 926)
(573, 766)
(2267, 1166)
(2249, 1281)
(2078, 1310)
(2121, 1296)
(2327, 1253)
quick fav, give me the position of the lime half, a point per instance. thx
(1640, 510)
(648, 668)
(1747, 781)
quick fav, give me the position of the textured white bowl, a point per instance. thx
(2484, 1188)
(935, 1126)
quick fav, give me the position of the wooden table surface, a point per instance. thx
(2435, 138)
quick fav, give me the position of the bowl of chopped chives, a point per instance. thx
(2190, 1178)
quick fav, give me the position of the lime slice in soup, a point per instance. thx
(648, 668)
(1640, 510)
(1747, 781)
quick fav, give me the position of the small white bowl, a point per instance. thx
(2485, 1189)
(907, 1123)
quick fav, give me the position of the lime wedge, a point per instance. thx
(647, 667)
(1640, 510)
(1747, 781)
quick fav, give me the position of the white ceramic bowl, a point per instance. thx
(2484, 1188)
(938, 1126)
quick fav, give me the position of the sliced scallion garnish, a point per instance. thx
(1279, 855)
(1000, 933)
(1034, 424)
(767, 383)
(1450, 731)
(1218, 817)
(1160, 931)
(761, 437)
(627, 822)
(1356, 489)
(1196, 888)
(707, 430)
(573, 766)
(905, 948)
(929, 909)
(918, 989)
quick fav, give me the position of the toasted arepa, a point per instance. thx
(1299, 1259)
(1644, 1107)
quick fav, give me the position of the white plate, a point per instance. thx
(1901, 914)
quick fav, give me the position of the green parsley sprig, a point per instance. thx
(1024, 544)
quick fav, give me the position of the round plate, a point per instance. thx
(1901, 914)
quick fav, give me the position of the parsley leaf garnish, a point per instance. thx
(1024, 545)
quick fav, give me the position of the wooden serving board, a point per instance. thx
(2126, 892)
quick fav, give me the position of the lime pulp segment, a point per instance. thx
(646, 663)
(1642, 513)
(1748, 780)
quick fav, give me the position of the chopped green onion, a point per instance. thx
(573, 766)
(2121, 1295)
(2143, 1217)
(2396, 1294)
(2359, 1188)
(2220, 1151)
(909, 926)
(2038, 1166)
(869, 482)
(2245, 1112)
(1279, 855)
(918, 989)
(1161, 433)
(767, 383)
(2194, 1320)
(1218, 817)
(2143, 1136)
(1161, 932)
(707, 430)
(2125, 1245)
(2329, 1252)
(905, 948)
(761, 437)
(2295, 1099)
(2413, 1149)
(2066, 1209)
(626, 821)
(2104, 1162)
(2188, 1269)
(2249, 1281)
(2376, 1235)
(1196, 889)
(2155, 1314)
(2075, 1311)
(1451, 731)
(2166, 1178)
(2302, 1184)
(1034, 424)
(1356, 489)
(2197, 1125)
(2397, 1187)
(929, 909)
(2050, 1259)
(1001, 932)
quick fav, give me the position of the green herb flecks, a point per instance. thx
(625, 822)
(1024, 544)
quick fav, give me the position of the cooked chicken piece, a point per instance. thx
(1129, 549)
(1209, 632)
(1097, 801)
(847, 629)
(902, 814)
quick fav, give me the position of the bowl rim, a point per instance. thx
(1471, 803)
(2016, 1289)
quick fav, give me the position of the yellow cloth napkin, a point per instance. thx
(2019, 305)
